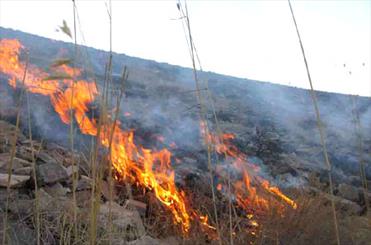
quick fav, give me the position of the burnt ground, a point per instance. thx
(274, 125)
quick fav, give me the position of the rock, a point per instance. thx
(17, 162)
(125, 222)
(45, 200)
(53, 207)
(13, 194)
(348, 192)
(51, 172)
(72, 170)
(18, 233)
(84, 183)
(22, 207)
(355, 181)
(359, 228)
(83, 198)
(15, 180)
(25, 153)
(145, 240)
(349, 207)
(45, 158)
(136, 205)
(106, 191)
(23, 171)
(56, 190)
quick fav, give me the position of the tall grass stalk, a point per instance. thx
(71, 132)
(12, 154)
(320, 128)
(37, 209)
(362, 171)
(203, 116)
(110, 181)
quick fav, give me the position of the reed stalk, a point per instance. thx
(13, 152)
(320, 128)
(202, 112)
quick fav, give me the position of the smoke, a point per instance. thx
(160, 101)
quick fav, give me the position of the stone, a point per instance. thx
(106, 191)
(53, 207)
(83, 198)
(23, 171)
(136, 205)
(145, 240)
(45, 158)
(72, 170)
(15, 180)
(22, 207)
(19, 233)
(17, 162)
(359, 228)
(125, 222)
(51, 172)
(84, 183)
(56, 190)
(348, 207)
(348, 192)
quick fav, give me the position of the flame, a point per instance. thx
(245, 192)
(150, 169)
(141, 166)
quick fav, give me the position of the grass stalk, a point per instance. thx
(362, 171)
(110, 180)
(12, 154)
(202, 114)
(320, 128)
(37, 209)
(71, 132)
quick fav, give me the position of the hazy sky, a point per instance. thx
(249, 39)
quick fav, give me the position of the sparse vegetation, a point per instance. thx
(78, 189)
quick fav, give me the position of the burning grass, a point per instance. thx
(261, 212)
(145, 167)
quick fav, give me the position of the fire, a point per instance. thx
(145, 167)
(245, 192)
(150, 169)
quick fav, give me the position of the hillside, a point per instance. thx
(157, 96)
(274, 128)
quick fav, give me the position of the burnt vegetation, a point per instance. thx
(274, 129)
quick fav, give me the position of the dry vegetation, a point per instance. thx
(78, 201)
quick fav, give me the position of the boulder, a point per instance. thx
(18, 233)
(17, 162)
(56, 190)
(84, 183)
(15, 180)
(23, 171)
(71, 170)
(106, 191)
(43, 157)
(348, 192)
(344, 205)
(125, 222)
(136, 205)
(50, 173)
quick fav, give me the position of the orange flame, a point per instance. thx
(151, 169)
(224, 146)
